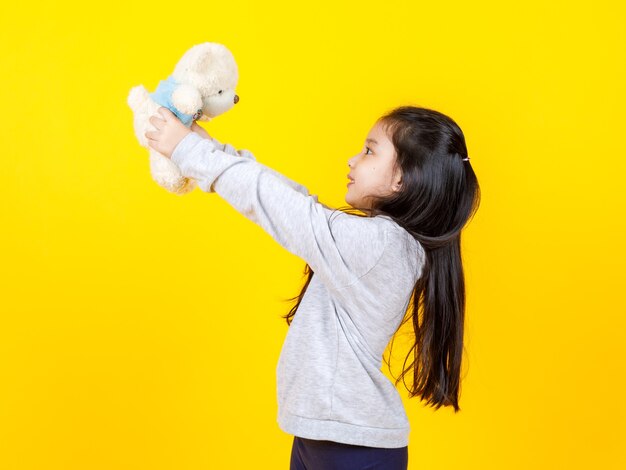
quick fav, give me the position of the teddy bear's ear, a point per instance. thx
(199, 58)
(206, 59)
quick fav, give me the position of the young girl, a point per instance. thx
(415, 185)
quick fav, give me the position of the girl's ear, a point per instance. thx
(398, 180)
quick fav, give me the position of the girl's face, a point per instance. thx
(372, 170)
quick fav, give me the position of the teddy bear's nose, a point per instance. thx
(236, 98)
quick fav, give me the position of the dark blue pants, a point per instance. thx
(309, 454)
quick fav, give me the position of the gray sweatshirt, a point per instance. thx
(330, 385)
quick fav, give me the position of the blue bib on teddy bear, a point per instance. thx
(163, 96)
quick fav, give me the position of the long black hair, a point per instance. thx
(439, 194)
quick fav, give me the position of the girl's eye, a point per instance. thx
(368, 149)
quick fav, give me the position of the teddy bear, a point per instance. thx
(201, 87)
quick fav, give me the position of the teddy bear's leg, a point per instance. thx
(167, 175)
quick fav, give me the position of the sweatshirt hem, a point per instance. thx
(325, 429)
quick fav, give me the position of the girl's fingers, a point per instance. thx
(166, 113)
(156, 122)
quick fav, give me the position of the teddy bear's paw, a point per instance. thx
(137, 96)
(182, 186)
(187, 99)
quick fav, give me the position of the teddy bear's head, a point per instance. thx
(211, 68)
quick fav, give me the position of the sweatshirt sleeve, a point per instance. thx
(228, 148)
(339, 247)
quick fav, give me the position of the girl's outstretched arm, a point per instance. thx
(228, 148)
(340, 249)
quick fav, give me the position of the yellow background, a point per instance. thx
(141, 330)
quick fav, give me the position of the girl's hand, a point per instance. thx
(170, 131)
(200, 131)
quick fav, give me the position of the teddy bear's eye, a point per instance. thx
(220, 92)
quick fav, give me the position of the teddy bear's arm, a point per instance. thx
(187, 98)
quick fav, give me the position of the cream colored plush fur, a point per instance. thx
(203, 71)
